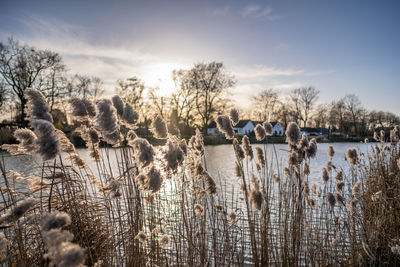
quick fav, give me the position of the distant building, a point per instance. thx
(246, 127)
(315, 132)
(277, 129)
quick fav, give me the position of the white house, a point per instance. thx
(243, 127)
(246, 127)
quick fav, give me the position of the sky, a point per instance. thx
(340, 46)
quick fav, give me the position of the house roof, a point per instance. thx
(273, 123)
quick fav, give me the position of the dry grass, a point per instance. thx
(123, 218)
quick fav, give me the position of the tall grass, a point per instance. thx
(159, 206)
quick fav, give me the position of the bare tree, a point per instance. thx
(85, 86)
(320, 116)
(337, 115)
(22, 67)
(353, 107)
(264, 104)
(183, 98)
(304, 100)
(131, 91)
(158, 104)
(208, 81)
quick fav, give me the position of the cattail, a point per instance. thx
(164, 241)
(376, 138)
(331, 152)
(260, 132)
(356, 190)
(325, 175)
(330, 166)
(306, 170)
(211, 187)
(26, 138)
(247, 147)
(340, 199)
(268, 128)
(47, 141)
(224, 125)
(18, 211)
(256, 199)
(331, 199)
(118, 104)
(238, 171)
(312, 148)
(55, 220)
(339, 175)
(154, 181)
(339, 186)
(238, 149)
(141, 237)
(144, 152)
(351, 155)
(37, 107)
(260, 156)
(105, 121)
(292, 133)
(234, 116)
(129, 115)
(292, 158)
(159, 127)
(198, 210)
(232, 217)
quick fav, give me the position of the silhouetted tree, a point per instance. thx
(264, 104)
(303, 100)
(23, 66)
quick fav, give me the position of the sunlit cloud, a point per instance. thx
(258, 11)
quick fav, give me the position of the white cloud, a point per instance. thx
(257, 11)
(262, 71)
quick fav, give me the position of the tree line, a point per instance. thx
(200, 94)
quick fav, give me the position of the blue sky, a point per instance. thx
(339, 47)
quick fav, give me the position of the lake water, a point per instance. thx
(220, 160)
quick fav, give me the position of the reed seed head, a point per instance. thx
(331, 152)
(292, 133)
(37, 107)
(331, 199)
(325, 175)
(198, 210)
(55, 220)
(129, 115)
(143, 151)
(260, 132)
(164, 241)
(225, 126)
(351, 155)
(234, 116)
(141, 237)
(247, 147)
(268, 128)
(159, 127)
(118, 104)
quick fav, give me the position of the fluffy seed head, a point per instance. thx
(159, 127)
(26, 138)
(247, 147)
(106, 121)
(256, 199)
(129, 115)
(331, 199)
(356, 190)
(47, 141)
(155, 181)
(225, 126)
(234, 116)
(18, 211)
(331, 152)
(37, 107)
(55, 220)
(232, 217)
(118, 104)
(260, 132)
(351, 155)
(211, 187)
(312, 148)
(268, 128)
(144, 152)
(325, 175)
(292, 133)
(260, 156)
(306, 170)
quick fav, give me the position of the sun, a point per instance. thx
(160, 75)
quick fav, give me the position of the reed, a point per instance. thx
(159, 206)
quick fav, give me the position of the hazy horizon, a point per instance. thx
(339, 47)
